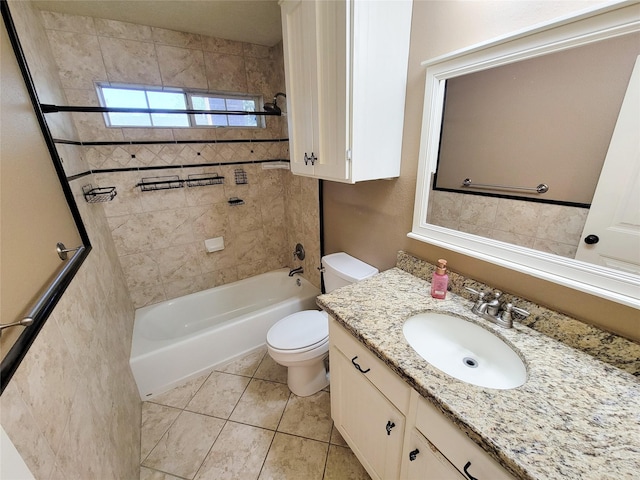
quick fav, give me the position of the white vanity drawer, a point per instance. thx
(455, 445)
(374, 369)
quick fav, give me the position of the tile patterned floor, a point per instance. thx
(242, 422)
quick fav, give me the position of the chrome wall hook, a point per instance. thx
(25, 322)
(63, 251)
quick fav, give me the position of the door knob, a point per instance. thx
(591, 239)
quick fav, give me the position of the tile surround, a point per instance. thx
(159, 235)
(90, 50)
(300, 441)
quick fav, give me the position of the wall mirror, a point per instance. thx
(37, 210)
(507, 191)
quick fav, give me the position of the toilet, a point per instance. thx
(300, 341)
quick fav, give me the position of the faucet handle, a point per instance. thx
(520, 311)
(480, 294)
(505, 317)
(479, 307)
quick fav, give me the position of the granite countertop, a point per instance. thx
(576, 417)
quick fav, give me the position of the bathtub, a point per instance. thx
(180, 339)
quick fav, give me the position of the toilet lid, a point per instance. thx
(299, 330)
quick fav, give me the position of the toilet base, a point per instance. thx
(308, 379)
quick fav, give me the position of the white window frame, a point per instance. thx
(188, 94)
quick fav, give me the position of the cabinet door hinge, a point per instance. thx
(348, 156)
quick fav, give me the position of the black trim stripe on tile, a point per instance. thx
(171, 167)
(166, 142)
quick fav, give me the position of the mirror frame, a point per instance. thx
(567, 32)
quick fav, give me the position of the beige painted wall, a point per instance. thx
(34, 211)
(371, 220)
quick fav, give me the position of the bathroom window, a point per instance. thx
(177, 99)
(224, 103)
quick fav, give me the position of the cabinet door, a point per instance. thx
(459, 449)
(425, 462)
(333, 45)
(300, 63)
(370, 424)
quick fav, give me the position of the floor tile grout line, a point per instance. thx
(166, 473)
(204, 459)
(163, 433)
(264, 461)
(239, 398)
(326, 462)
(226, 420)
(182, 410)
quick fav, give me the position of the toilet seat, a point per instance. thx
(299, 332)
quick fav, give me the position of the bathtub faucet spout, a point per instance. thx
(293, 271)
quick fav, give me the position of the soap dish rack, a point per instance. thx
(150, 184)
(204, 179)
(98, 194)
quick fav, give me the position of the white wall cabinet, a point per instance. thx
(346, 73)
(394, 432)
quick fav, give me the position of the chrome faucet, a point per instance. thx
(499, 313)
(293, 271)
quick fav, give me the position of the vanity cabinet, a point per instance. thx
(372, 422)
(460, 450)
(426, 461)
(346, 74)
(394, 432)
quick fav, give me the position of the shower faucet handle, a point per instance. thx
(298, 253)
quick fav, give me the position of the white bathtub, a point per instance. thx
(179, 339)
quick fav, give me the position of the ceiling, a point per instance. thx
(252, 21)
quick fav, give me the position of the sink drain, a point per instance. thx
(470, 362)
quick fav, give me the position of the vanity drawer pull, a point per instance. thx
(471, 477)
(389, 426)
(353, 360)
(413, 454)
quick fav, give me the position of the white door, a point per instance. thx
(611, 236)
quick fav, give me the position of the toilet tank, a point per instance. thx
(341, 269)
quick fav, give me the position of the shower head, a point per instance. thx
(273, 107)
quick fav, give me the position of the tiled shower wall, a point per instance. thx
(89, 50)
(72, 408)
(160, 235)
(545, 227)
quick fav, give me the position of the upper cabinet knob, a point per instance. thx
(591, 239)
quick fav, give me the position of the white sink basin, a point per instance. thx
(465, 351)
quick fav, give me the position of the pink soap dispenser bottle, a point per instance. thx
(440, 280)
